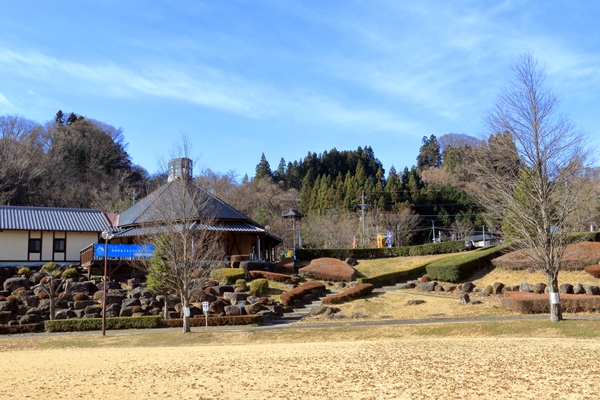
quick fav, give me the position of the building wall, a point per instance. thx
(14, 246)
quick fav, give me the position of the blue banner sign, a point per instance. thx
(124, 250)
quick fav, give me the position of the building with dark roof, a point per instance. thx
(37, 235)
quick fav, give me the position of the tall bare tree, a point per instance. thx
(533, 170)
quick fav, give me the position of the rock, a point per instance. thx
(352, 284)
(254, 308)
(340, 285)
(449, 288)
(252, 299)
(498, 287)
(95, 309)
(358, 315)
(109, 285)
(217, 307)
(530, 270)
(464, 298)
(36, 277)
(64, 314)
(234, 297)
(12, 284)
(82, 304)
(565, 288)
(126, 311)
(30, 319)
(414, 302)
(539, 288)
(232, 310)
(407, 285)
(221, 290)
(525, 287)
(578, 289)
(9, 306)
(351, 262)
(592, 290)
(427, 286)
(483, 293)
(468, 287)
(332, 310)
(131, 302)
(438, 288)
(113, 310)
(83, 287)
(489, 289)
(318, 310)
(32, 301)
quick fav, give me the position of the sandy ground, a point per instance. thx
(384, 369)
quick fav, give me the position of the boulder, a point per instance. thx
(592, 290)
(340, 285)
(10, 306)
(82, 304)
(252, 299)
(565, 288)
(525, 287)
(217, 307)
(30, 319)
(12, 284)
(82, 287)
(407, 285)
(126, 311)
(65, 313)
(6, 316)
(428, 286)
(351, 262)
(468, 287)
(578, 289)
(489, 289)
(131, 302)
(93, 309)
(318, 310)
(113, 310)
(109, 285)
(530, 270)
(254, 308)
(539, 288)
(234, 297)
(232, 310)
(438, 288)
(498, 287)
(449, 288)
(464, 298)
(222, 289)
(414, 302)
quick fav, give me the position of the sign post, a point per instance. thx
(205, 309)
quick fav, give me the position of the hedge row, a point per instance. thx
(228, 275)
(288, 297)
(391, 278)
(531, 303)
(215, 321)
(583, 237)
(27, 328)
(349, 294)
(461, 267)
(272, 276)
(361, 254)
(95, 324)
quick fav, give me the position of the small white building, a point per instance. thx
(33, 236)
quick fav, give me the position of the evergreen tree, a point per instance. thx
(263, 169)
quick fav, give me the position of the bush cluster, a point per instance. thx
(27, 328)
(460, 267)
(24, 271)
(350, 294)
(531, 303)
(361, 254)
(214, 321)
(95, 324)
(259, 287)
(272, 276)
(69, 273)
(593, 270)
(297, 293)
(227, 275)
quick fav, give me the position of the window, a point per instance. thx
(35, 245)
(59, 245)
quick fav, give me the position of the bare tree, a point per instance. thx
(402, 224)
(462, 228)
(532, 171)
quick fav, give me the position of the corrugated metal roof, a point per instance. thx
(52, 219)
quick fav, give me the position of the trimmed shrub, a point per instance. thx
(24, 271)
(27, 328)
(214, 321)
(288, 297)
(531, 303)
(350, 294)
(241, 283)
(95, 324)
(577, 256)
(593, 270)
(69, 273)
(460, 267)
(227, 275)
(272, 276)
(328, 269)
(361, 254)
(260, 287)
(391, 278)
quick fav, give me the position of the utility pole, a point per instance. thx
(362, 197)
(433, 231)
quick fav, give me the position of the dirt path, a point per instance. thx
(385, 369)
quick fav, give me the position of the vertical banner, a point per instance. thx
(379, 241)
(389, 239)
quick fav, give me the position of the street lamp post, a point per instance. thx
(106, 235)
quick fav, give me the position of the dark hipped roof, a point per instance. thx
(153, 207)
(52, 219)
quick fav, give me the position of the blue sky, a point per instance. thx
(281, 77)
